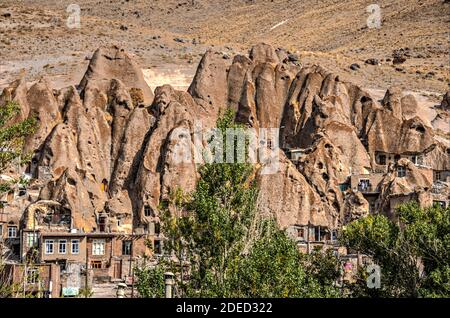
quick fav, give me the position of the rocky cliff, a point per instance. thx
(104, 150)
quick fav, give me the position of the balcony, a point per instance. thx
(367, 188)
(438, 188)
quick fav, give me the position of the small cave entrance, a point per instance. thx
(104, 185)
(102, 221)
(148, 211)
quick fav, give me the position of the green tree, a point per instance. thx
(150, 281)
(12, 138)
(230, 250)
(322, 269)
(413, 254)
(275, 268)
(219, 224)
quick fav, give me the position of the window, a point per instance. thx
(22, 192)
(32, 275)
(157, 248)
(126, 247)
(401, 172)
(102, 224)
(382, 160)
(157, 228)
(419, 160)
(301, 234)
(148, 211)
(1, 230)
(96, 264)
(62, 247)
(364, 185)
(317, 237)
(12, 231)
(32, 239)
(62, 266)
(438, 176)
(49, 246)
(269, 144)
(311, 233)
(98, 247)
(75, 246)
(334, 235)
(440, 203)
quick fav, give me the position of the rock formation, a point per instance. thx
(108, 149)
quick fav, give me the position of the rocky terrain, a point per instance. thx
(109, 126)
(105, 147)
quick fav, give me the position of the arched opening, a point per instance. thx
(420, 129)
(104, 185)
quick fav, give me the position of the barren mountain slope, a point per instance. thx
(332, 33)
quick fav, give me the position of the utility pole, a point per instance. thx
(131, 266)
(308, 231)
(169, 282)
(86, 288)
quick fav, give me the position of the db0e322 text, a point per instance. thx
(245, 307)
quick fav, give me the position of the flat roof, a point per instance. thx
(61, 234)
(68, 234)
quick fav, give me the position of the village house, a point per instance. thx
(112, 256)
(9, 231)
(39, 280)
(385, 159)
(68, 259)
(308, 237)
(80, 259)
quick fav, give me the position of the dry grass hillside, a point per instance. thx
(333, 33)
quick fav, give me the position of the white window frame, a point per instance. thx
(60, 244)
(12, 227)
(98, 247)
(125, 249)
(403, 172)
(49, 243)
(32, 239)
(77, 244)
(32, 273)
(438, 175)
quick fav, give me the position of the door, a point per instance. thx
(118, 270)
